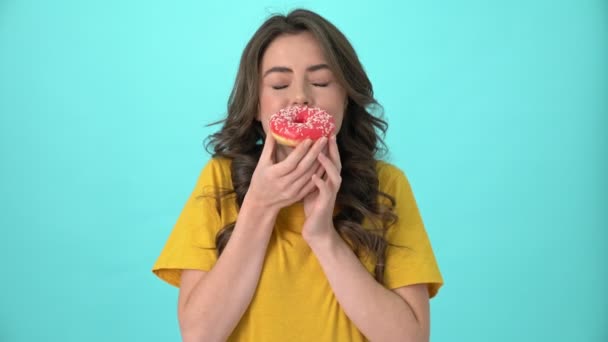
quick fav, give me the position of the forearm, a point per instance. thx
(217, 302)
(379, 313)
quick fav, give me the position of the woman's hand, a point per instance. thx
(277, 185)
(319, 204)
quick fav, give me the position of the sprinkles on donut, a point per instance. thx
(291, 125)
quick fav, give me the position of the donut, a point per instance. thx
(291, 125)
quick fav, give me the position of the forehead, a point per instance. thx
(293, 50)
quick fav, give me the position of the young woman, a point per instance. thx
(321, 242)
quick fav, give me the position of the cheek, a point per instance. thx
(334, 102)
(339, 119)
(269, 103)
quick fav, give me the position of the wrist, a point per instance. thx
(321, 239)
(258, 207)
(255, 221)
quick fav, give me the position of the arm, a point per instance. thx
(212, 303)
(379, 313)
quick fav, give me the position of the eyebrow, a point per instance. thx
(286, 69)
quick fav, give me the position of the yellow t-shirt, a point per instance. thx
(293, 300)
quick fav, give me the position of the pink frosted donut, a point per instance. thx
(291, 125)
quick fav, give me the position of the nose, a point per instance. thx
(301, 95)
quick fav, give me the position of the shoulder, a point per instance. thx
(218, 165)
(390, 176)
(216, 173)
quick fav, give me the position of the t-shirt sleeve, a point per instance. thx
(191, 244)
(409, 257)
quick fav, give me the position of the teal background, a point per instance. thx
(498, 114)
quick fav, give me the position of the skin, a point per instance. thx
(293, 73)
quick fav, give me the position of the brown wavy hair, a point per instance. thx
(359, 139)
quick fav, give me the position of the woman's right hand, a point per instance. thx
(277, 185)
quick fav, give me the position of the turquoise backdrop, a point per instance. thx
(498, 114)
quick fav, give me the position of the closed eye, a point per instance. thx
(320, 85)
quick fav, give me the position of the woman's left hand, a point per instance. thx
(319, 204)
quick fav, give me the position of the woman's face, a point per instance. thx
(294, 72)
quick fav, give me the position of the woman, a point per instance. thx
(321, 242)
